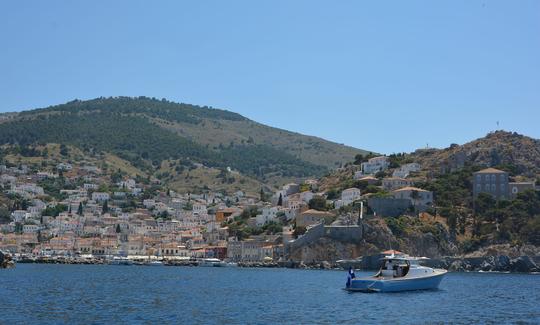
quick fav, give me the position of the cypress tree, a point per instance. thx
(105, 207)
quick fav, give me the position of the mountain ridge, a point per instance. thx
(146, 131)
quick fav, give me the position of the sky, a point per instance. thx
(387, 76)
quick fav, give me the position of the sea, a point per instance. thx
(107, 294)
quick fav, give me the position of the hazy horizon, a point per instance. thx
(391, 78)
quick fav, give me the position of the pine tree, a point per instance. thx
(118, 230)
(80, 209)
(280, 200)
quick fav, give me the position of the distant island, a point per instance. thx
(141, 177)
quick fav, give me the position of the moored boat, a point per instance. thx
(154, 263)
(399, 272)
(120, 260)
(212, 262)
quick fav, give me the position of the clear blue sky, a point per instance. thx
(388, 76)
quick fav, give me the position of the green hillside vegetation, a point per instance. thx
(124, 127)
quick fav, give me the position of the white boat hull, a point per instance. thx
(375, 284)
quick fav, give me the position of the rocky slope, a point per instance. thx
(423, 237)
(500, 148)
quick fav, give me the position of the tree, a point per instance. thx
(280, 200)
(318, 203)
(5, 215)
(298, 231)
(63, 150)
(105, 208)
(80, 209)
(332, 194)
(118, 230)
(262, 195)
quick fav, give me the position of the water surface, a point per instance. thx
(95, 294)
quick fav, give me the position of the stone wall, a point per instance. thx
(346, 235)
(388, 207)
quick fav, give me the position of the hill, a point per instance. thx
(516, 153)
(147, 132)
(472, 224)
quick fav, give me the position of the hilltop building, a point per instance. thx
(375, 165)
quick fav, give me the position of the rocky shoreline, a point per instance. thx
(496, 263)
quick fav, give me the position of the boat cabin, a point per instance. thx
(397, 266)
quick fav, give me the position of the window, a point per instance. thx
(493, 178)
(493, 187)
(487, 178)
(486, 187)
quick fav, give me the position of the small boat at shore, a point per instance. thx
(120, 260)
(154, 263)
(212, 262)
(399, 272)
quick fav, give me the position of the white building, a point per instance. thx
(200, 209)
(375, 165)
(306, 196)
(268, 214)
(149, 203)
(127, 184)
(420, 199)
(394, 183)
(19, 215)
(406, 169)
(64, 166)
(350, 195)
(90, 186)
(100, 196)
(30, 229)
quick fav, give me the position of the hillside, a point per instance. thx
(447, 173)
(146, 132)
(517, 153)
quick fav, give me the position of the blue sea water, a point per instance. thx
(96, 294)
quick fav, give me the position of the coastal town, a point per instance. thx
(102, 216)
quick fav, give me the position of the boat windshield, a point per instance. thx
(395, 268)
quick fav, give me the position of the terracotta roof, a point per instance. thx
(490, 171)
(410, 188)
(392, 251)
(368, 178)
(395, 179)
(316, 212)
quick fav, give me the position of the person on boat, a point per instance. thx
(350, 276)
(351, 272)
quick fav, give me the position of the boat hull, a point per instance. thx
(398, 284)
